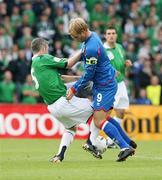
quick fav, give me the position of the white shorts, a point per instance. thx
(121, 97)
(69, 84)
(71, 113)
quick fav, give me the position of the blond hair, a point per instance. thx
(77, 25)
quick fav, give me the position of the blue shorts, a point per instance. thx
(103, 97)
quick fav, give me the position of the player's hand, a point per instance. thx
(128, 63)
(117, 73)
(69, 94)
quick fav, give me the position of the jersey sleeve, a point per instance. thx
(90, 68)
(57, 62)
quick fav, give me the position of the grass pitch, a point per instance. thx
(29, 160)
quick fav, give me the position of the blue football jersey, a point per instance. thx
(96, 64)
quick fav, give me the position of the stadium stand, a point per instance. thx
(139, 28)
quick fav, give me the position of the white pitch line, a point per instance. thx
(148, 157)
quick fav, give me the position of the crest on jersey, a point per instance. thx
(110, 55)
(91, 61)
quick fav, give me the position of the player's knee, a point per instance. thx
(98, 123)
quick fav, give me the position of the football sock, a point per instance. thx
(62, 153)
(121, 131)
(110, 141)
(66, 140)
(114, 134)
(94, 132)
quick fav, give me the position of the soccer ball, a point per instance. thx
(101, 144)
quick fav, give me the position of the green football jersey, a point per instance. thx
(47, 80)
(117, 59)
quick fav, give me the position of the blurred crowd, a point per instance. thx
(139, 26)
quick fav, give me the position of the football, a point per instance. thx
(101, 144)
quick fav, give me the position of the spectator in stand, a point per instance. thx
(154, 91)
(39, 6)
(14, 52)
(80, 8)
(19, 68)
(29, 93)
(131, 52)
(6, 41)
(142, 98)
(4, 60)
(3, 9)
(19, 29)
(26, 35)
(66, 5)
(157, 63)
(58, 49)
(158, 40)
(98, 16)
(45, 27)
(27, 49)
(7, 89)
(145, 73)
(8, 27)
(145, 49)
(15, 18)
(27, 10)
(73, 48)
(60, 32)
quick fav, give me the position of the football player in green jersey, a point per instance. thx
(51, 87)
(118, 60)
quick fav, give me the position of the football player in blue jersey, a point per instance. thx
(99, 70)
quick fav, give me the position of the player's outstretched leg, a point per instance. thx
(114, 134)
(123, 134)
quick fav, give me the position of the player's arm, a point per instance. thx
(74, 59)
(62, 63)
(128, 62)
(68, 78)
(90, 68)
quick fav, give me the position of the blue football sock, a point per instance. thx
(121, 131)
(114, 134)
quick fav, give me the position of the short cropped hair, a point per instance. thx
(111, 26)
(77, 25)
(37, 44)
